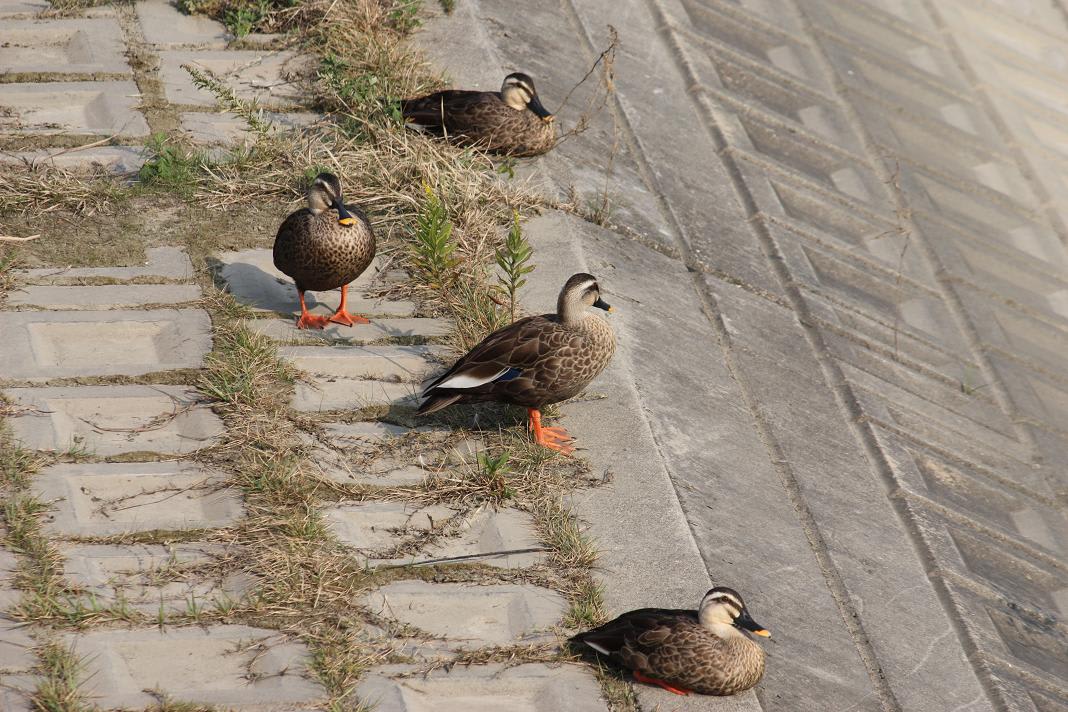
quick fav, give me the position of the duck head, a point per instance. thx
(724, 613)
(579, 292)
(518, 92)
(325, 193)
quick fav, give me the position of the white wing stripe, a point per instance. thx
(461, 380)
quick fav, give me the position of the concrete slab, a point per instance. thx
(349, 435)
(110, 420)
(268, 77)
(16, 692)
(501, 538)
(150, 577)
(533, 687)
(16, 647)
(473, 615)
(121, 160)
(160, 262)
(323, 394)
(101, 499)
(229, 129)
(226, 665)
(337, 469)
(253, 279)
(75, 46)
(164, 25)
(97, 108)
(44, 345)
(110, 296)
(380, 329)
(407, 363)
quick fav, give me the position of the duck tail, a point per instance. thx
(437, 401)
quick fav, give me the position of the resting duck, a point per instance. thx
(511, 122)
(708, 651)
(325, 246)
(534, 361)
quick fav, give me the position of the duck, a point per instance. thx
(534, 361)
(709, 651)
(511, 122)
(323, 246)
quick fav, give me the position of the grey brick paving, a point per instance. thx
(111, 498)
(116, 159)
(78, 46)
(108, 420)
(227, 665)
(379, 329)
(269, 77)
(101, 108)
(44, 345)
(115, 296)
(229, 129)
(160, 262)
(482, 688)
(165, 26)
(472, 616)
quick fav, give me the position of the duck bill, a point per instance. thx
(602, 304)
(536, 106)
(745, 621)
(344, 217)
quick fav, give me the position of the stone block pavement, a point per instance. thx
(849, 221)
(70, 83)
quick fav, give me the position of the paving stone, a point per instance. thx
(374, 526)
(267, 77)
(533, 687)
(338, 470)
(466, 451)
(344, 393)
(16, 692)
(81, 46)
(101, 499)
(149, 577)
(230, 129)
(44, 345)
(408, 363)
(8, 565)
(109, 296)
(161, 262)
(16, 646)
(476, 615)
(349, 435)
(377, 330)
(109, 420)
(101, 108)
(164, 25)
(17, 7)
(253, 279)
(483, 533)
(367, 527)
(115, 159)
(225, 665)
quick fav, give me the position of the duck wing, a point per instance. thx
(640, 632)
(453, 110)
(518, 351)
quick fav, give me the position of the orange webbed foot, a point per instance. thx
(556, 435)
(312, 321)
(660, 683)
(344, 318)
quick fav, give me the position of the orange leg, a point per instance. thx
(342, 316)
(552, 438)
(308, 320)
(653, 681)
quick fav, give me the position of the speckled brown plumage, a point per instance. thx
(552, 357)
(534, 361)
(674, 647)
(484, 119)
(319, 253)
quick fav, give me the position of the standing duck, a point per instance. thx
(325, 246)
(534, 361)
(708, 651)
(511, 122)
